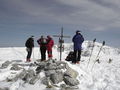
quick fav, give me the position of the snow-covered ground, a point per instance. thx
(103, 76)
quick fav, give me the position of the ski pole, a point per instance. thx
(91, 52)
(98, 55)
(33, 55)
(39, 53)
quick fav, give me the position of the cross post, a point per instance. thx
(61, 41)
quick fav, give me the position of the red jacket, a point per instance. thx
(50, 44)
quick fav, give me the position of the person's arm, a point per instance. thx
(82, 38)
(73, 38)
(38, 41)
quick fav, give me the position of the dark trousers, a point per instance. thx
(29, 53)
(77, 56)
(43, 53)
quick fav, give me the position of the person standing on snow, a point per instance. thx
(50, 43)
(42, 42)
(77, 40)
(29, 46)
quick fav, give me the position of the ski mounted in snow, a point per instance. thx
(97, 60)
(91, 52)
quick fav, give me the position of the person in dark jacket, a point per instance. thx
(43, 46)
(77, 40)
(50, 43)
(29, 46)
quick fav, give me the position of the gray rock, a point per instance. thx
(71, 72)
(49, 72)
(22, 74)
(5, 88)
(17, 61)
(5, 64)
(50, 66)
(40, 67)
(29, 74)
(70, 81)
(15, 67)
(44, 81)
(12, 78)
(56, 77)
(54, 65)
(34, 79)
(26, 78)
(66, 87)
(55, 72)
(24, 64)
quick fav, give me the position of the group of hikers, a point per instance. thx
(46, 44)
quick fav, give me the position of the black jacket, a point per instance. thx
(29, 43)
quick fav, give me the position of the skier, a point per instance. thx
(50, 43)
(77, 40)
(29, 46)
(42, 42)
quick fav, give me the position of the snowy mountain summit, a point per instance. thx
(99, 68)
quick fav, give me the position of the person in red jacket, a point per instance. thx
(50, 43)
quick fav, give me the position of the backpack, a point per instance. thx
(27, 43)
(70, 56)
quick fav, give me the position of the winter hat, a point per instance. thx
(32, 36)
(42, 36)
(78, 31)
(48, 37)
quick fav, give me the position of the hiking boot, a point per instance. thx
(73, 62)
(50, 58)
(28, 60)
(78, 62)
(43, 60)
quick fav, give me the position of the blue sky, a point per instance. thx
(20, 19)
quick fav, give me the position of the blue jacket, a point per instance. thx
(77, 40)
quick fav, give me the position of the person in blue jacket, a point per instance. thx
(77, 40)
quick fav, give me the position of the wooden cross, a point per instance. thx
(61, 41)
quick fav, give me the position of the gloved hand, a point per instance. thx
(27, 49)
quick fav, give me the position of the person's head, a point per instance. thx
(49, 37)
(32, 36)
(42, 36)
(78, 32)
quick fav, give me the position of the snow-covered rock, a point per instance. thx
(104, 75)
